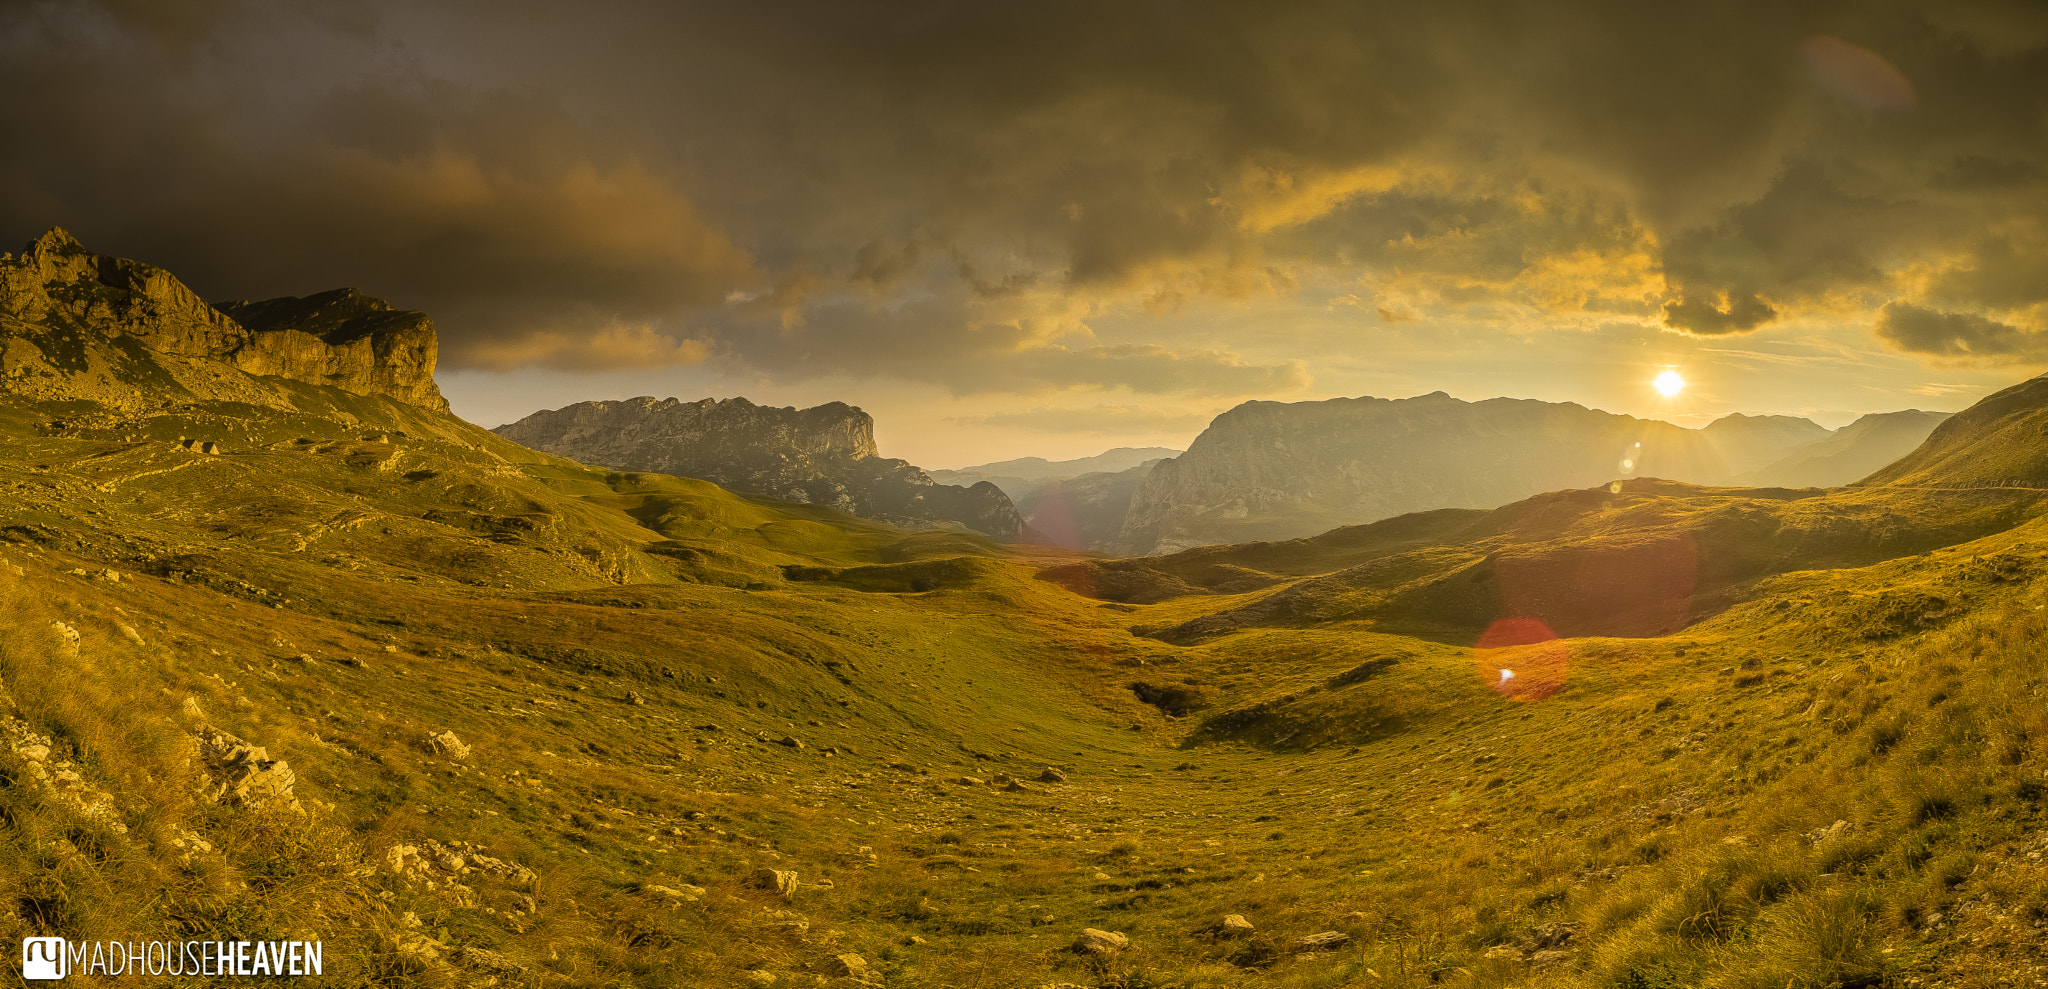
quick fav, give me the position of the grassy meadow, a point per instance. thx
(1826, 772)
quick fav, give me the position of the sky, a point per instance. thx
(1053, 228)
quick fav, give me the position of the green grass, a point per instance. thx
(1323, 773)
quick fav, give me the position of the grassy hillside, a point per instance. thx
(664, 689)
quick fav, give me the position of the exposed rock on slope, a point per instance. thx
(820, 456)
(345, 339)
(78, 325)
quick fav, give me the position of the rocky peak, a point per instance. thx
(824, 455)
(71, 322)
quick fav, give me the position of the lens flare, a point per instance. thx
(1668, 384)
(1529, 661)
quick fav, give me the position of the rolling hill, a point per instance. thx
(473, 714)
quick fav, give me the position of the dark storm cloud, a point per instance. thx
(953, 192)
(1954, 334)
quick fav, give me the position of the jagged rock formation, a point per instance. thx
(78, 325)
(820, 456)
(1854, 451)
(345, 339)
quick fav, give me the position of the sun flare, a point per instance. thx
(1668, 384)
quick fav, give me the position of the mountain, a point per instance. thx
(1083, 512)
(1746, 442)
(820, 456)
(1850, 453)
(1122, 458)
(2002, 441)
(1266, 470)
(1077, 504)
(468, 713)
(78, 325)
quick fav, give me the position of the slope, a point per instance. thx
(1998, 442)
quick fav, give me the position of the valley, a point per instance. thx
(289, 659)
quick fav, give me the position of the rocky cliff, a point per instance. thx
(79, 325)
(820, 456)
(1267, 470)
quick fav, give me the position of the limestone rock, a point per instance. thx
(780, 881)
(819, 456)
(244, 775)
(1094, 942)
(1326, 941)
(1234, 925)
(849, 966)
(447, 744)
(150, 338)
(1052, 775)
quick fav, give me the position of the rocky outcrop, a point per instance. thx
(819, 456)
(79, 325)
(344, 339)
(1267, 470)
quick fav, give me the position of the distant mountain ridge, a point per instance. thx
(2001, 441)
(79, 325)
(818, 456)
(1268, 470)
(1078, 504)
(1854, 451)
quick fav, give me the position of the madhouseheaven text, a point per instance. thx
(195, 957)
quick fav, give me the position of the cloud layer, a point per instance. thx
(966, 194)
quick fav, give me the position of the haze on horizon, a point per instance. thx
(1052, 230)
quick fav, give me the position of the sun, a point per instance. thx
(1668, 384)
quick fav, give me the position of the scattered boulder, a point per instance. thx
(633, 697)
(680, 893)
(1504, 953)
(758, 977)
(968, 781)
(776, 879)
(413, 951)
(447, 745)
(244, 775)
(849, 966)
(1052, 775)
(1826, 834)
(1234, 925)
(1549, 959)
(1094, 942)
(1326, 941)
(784, 920)
(790, 740)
